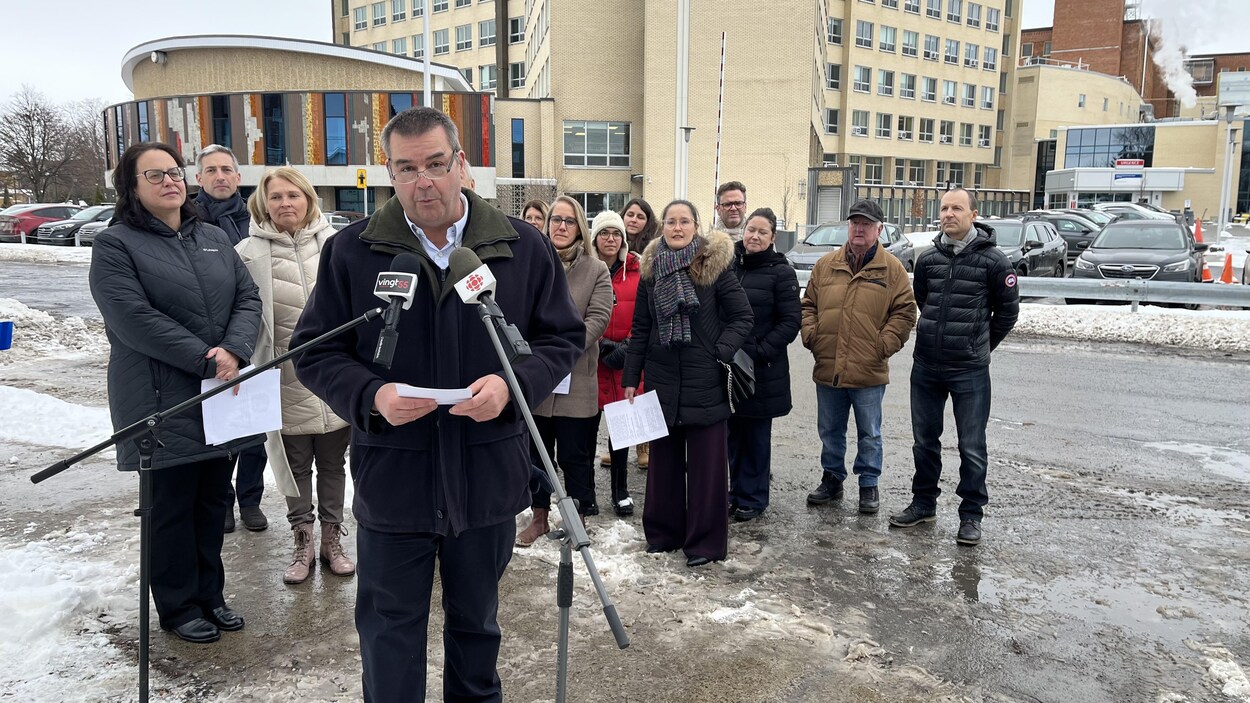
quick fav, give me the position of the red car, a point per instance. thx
(25, 219)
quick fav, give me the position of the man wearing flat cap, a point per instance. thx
(858, 311)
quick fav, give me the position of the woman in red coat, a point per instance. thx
(608, 235)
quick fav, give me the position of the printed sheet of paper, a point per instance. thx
(256, 409)
(563, 386)
(634, 424)
(442, 396)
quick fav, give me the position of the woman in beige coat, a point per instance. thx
(569, 421)
(287, 234)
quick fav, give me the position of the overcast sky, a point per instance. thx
(73, 49)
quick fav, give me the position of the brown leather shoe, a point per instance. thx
(302, 558)
(605, 459)
(644, 456)
(332, 549)
(537, 528)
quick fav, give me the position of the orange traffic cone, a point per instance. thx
(1226, 276)
(1206, 273)
(1198, 230)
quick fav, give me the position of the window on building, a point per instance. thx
(859, 123)
(855, 162)
(516, 75)
(912, 6)
(900, 171)
(379, 46)
(516, 30)
(835, 31)
(1002, 119)
(442, 42)
(987, 97)
(978, 178)
(518, 146)
(418, 46)
(970, 95)
(832, 117)
(400, 102)
(593, 144)
(983, 136)
(928, 89)
(933, 8)
(952, 52)
(463, 3)
(905, 124)
(464, 37)
(954, 11)
(1026, 49)
(931, 43)
(439, 6)
(874, 169)
(1046, 49)
(907, 86)
(349, 199)
(974, 15)
(946, 129)
(220, 106)
(144, 132)
(343, 8)
(1002, 83)
(911, 43)
(1202, 71)
(360, 19)
(833, 76)
(1007, 8)
(863, 34)
(863, 79)
(955, 173)
(595, 203)
(916, 169)
(950, 89)
(889, 38)
(892, 4)
(399, 10)
(336, 128)
(379, 14)
(486, 33)
(487, 76)
(885, 82)
(399, 46)
(885, 123)
(991, 19)
(971, 55)
(926, 129)
(1080, 100)
(418, 8)
(467, 72)
(1105, 104)
(998, 156)
(1006, 45)
(965, 134)
(989, 60)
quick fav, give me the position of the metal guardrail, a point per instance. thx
(1136, 291)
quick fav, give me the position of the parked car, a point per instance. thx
(61, 232)
(1133, 211)
(1098, 217)
(338, 222)
(1033, 246)
(26, 220)
(1153, 250)
(827, 238)
(1077, 230)
(87, 233)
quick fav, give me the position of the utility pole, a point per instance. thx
(682, 130)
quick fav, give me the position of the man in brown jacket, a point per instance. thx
(858, 311)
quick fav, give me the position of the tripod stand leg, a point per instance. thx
(145, 558)
(564, 600)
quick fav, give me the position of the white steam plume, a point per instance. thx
(1182, 28)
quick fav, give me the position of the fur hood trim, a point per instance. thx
(708, 265)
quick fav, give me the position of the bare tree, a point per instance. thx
(84, 177)
(35, 143)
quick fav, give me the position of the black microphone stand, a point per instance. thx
(573, 534)
(144, 433)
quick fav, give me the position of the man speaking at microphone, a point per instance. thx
(435, 482)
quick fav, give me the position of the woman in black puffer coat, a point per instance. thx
(690, 313)
(179, 307)
(773, 290)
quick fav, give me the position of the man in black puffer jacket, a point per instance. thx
(966, 290)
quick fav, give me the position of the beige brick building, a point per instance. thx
(901, 91)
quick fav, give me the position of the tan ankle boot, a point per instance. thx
(302, 559)
(537, 528)
(332, 550)
(644, 455)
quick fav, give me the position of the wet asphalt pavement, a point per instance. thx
(60, 289)
(1113, 567)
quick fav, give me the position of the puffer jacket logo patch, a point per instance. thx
(212, 251)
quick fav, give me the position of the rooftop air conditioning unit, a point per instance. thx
(949, 99)
(946, 139)
(984, 142)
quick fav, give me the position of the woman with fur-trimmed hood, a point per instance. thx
(691, 314)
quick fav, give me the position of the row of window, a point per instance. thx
(871, 170)
(888, 43)
(395, 11)
(488, 75)
(954, 11)
(907, 84)
(887, 125)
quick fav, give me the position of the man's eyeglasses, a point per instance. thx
(410, 174)
(683, 222)
(155, 176)
(734, 204)
(555, 221)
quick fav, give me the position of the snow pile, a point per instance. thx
(36, 333)
(1217, 330)
(37, 253)
(34, 418)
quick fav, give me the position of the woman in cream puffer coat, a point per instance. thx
(287, 234)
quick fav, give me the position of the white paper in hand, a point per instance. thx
(634, 424)
(442, 396)
(563, 386)
(256, 409)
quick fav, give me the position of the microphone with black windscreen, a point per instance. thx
(397, 288)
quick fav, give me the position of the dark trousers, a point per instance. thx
(250, 480)
(395, 578)
(969, 391)
(686, 491)
(570, 441)
(750, 453)
(619, 469)
(189, 503)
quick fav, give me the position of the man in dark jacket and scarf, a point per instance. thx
(966, 289)
(435, 483)
(219, 203)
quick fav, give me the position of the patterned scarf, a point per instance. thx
(675, 296)
(568, 255)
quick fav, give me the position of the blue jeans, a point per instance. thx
(969, 391)
(833, 406)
